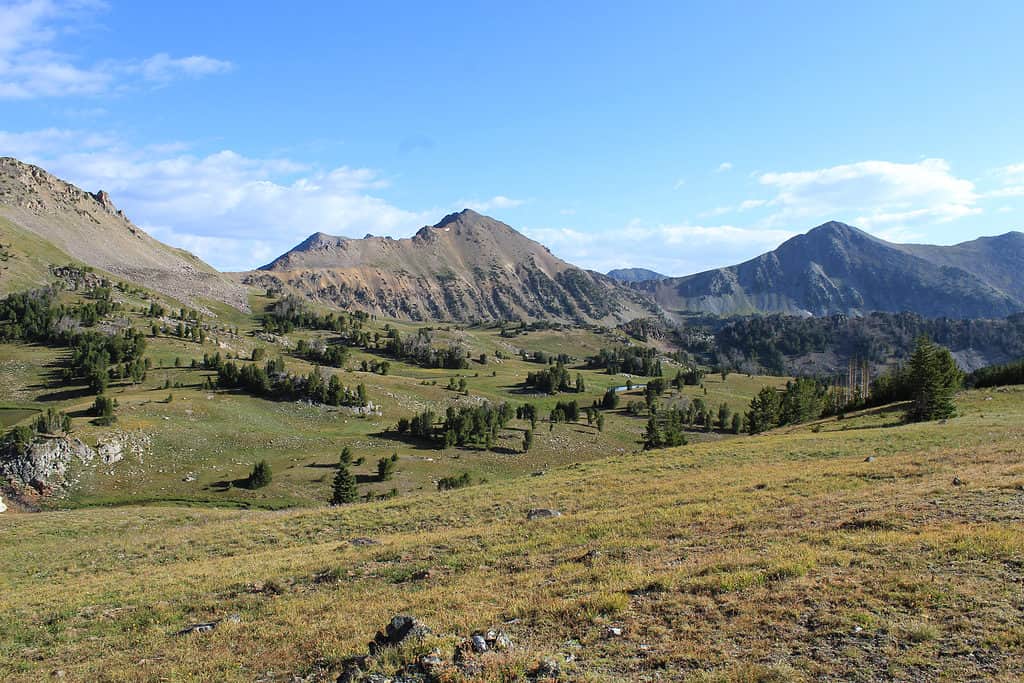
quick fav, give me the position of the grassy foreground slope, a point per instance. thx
(787, 556)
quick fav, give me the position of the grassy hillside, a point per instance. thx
(857, 550)
(199, 446)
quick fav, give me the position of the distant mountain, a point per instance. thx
(467, 267)
(839, 269)
(635, 275)
(46, 222)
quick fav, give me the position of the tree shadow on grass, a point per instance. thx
(227, 484)
(64, 395)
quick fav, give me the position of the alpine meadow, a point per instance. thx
(574, 342)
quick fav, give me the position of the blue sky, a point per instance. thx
(677, 136)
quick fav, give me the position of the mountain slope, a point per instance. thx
(634, 275)
(467, 267)
(836, 268)
(89, 228)
(997, 261)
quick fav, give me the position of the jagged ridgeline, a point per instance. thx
(467, 267)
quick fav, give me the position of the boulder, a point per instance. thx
(400, 629)
(542, 513)
(110, 451)
(3, 508)
(207, 626)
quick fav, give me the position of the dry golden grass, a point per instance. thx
(772, 558)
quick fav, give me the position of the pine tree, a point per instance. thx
(527, 440)
(765, 410)
(724, 415)
(934, 379)
(260, 475)
(344, 489)
(652, 435)
(385, 468)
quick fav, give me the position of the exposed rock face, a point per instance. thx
(88, 227)
(838, 269)
(467, 267)
(43, 464)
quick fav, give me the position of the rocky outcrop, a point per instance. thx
(471, 658)
(43, 465)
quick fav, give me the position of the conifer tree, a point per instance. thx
(260, 475)
(934, 379)
(344, 489)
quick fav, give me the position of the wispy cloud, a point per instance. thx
(723, 167)
(163, 68)
(234, 211)
(496, 202)
(673, 249)
(1012, 180)
(32, 67)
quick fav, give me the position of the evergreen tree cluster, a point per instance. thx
(997, 375)
(449, 483)
(551, 380)
(320, 353)
(802, 400)
(565, 411)
(690, 377)
(95, 358)
(260, 476)
(292, 312)
(418, 349)
(464, 426)
(632, 360)
(274, 382)
(666, 429)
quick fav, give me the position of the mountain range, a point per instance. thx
(472, 267)
(838, 269)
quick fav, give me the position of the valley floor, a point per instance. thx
(858, 550)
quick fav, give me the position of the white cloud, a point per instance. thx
(234, 211)
(497, 202)
(873, 193)
(1012, 178)
(163, 68)
(752, 204)
(723, 167)
(30, 66)
(670, 249)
